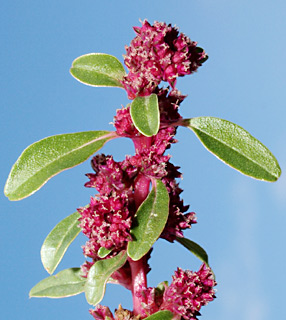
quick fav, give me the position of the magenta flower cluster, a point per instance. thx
(108, 218)
(158, 53)
(184, 297)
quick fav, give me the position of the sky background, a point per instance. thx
(241, 221)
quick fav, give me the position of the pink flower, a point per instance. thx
(124, 125)
(108, 175)
(150, 301)
(169, 103)
(178, 220)
(188, 292)
(106, 222)
(159, 53)
(185, 296)
(101, 313)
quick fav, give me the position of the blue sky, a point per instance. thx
(241, 221)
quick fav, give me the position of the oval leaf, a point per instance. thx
(58, 240)
(98, 276)
(197, 250)
(161, 315)
(236, 147)
(98, 70)
(66, 283)
(145, 114)
(46, 158)
(103, 252)
(149, 221)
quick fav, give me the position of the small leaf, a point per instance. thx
(197, 250)
(149, 221)
(103, 252)
(44, 159)
(98, 276)
(145, 114)
(236, 147)
(161, 287)
(161, 315)
(66, 283)
(58, 240)
(98, 70)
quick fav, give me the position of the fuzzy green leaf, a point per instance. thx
(145, 114)
(161, 315)
(98, 276)
(66, 283)
(98, 70)
(236, 147)
(149, 221)
(103, 252)
(193, 247)
(58, 240)
(44, 159)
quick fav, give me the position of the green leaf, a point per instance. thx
(46, 158)
(145, 114)
(103, 252)
(161, 315)
(149, 221)
(197, 250)
(98, 276)
(66, 283)
(58, 240)
(161, 287)
(236, 147)
(98, 70)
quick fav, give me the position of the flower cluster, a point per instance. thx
(184, 297)
(104, 313)
(188, 292)
(108, 218)
(159, 53)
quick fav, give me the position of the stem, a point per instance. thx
(139, 282)
(141, 191)
(141, 143)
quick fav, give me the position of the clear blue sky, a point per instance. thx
(241, 221)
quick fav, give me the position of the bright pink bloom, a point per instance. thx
(108, 176)
(159, 53)
(185, 296)
(106, 222)
(124, 125)
(188, 292)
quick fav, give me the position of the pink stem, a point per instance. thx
(142, 185)
(141, 191)
(141, 143)
(139, 282)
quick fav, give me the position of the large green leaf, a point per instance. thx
(145, 114)
(46, 158)
(193, 247)
(98, 276)
(98, 70)
(149, 221)
(161, 315)
(58, 240)
(235, 147)
(66, 283)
